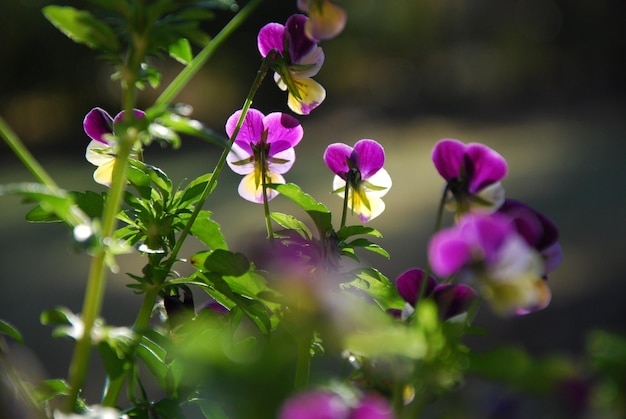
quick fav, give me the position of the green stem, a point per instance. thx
(442, 203)
(24, 155)
(303, 363)
(344, 213)
(97, 274)
(266, 204)
(194, 65)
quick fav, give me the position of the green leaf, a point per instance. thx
(224, 262)
(349, 231)
(9, 330)
(154, 357)
(318, 212)
(194, 190)
(192, 127)
(82, 27)
(376, 285)
(68, 324)
(292, 223)
(208, 231)
(50, 389)
(367, 245)
(181, 51)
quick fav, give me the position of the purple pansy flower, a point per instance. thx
(473, 172)
(326, 19)
(325, 404)
(451, 299)
(299, 58)
(264, 146)
(488, 250)
(100, 127)
(539, 232)
(360, 169)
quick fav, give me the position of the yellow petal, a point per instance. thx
(311, 95)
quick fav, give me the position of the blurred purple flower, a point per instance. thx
(451, 299)
(488, 250)
(326, 19)
(325, 404)
(299, 58)
(264, 145)
(101, 151)
(473, 172)
(361, 169)
(539, 232)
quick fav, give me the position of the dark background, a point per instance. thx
(541, 81)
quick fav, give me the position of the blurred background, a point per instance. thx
(541, 81)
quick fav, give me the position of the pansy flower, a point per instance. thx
(360, 169)
(539, 232)
(488, 251)
(326, 19)
(101, 151)
(298, 59)
(473, 172)
(264, 147)
(451, 299)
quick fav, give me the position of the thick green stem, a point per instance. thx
(196, 64)
(24, 155)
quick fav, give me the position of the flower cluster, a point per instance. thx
(502, 246)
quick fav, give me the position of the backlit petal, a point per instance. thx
(448, 252)
(251, 129)
(275, 164)
(309, 65)
(282, 127)
(371, 157)
(325, 22)
(336, 158)
(453, 299)
(98, 153)
(487, 166)
(253, 192)
(104, 173)
(240, 160)
(409, 285)
(271, 37)
(300, 45)
(312, 94)
(98, 123)
(380, 182)
(448, 158)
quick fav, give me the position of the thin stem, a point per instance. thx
(97, 274)
(266, 204)
(344, 213)
(442, 203)
(15, 144)
(194, 65)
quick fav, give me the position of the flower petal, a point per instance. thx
(98, 153)
(271, 37)
(275, 162)
(326, 21)
(251, 129)
(312, 94)
(486, 167)
(309, 65)
(282, 127)
(253, 192)
(336, 158)
(453, 300)
(104, 173)
(120, 116)
(448, 252)
(378, 185)
(370, 157)
(300, 45)
(97, 123)
(240, 161)
(372, 406)
(409, 284)
(315, 404)
(448, 158)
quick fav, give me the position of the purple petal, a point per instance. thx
(409, 284)
(371, 157)
(487, 233)
(251, 130)
(552, 257)
(373, 406)
(483, 166)
(538, 231)
(282, 128)
(317, 404)
(448, 158)
(453, 299)
(299, 44)
(448, 252)
(271, 37)
(336, 158)
(120, 116)
(97, 123)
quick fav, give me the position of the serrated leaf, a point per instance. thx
(82, 27)
(349, 231)
(192, 127)
(181, 51)
(318, 212)
(194, 190)
(367, 245)
(9, 330)
(50, 389)
(292, 223)
(208, 231)
(154, 357)
(376, 285)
